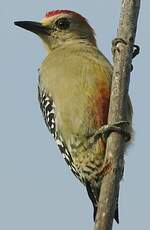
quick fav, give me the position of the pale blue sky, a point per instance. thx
(37, 190)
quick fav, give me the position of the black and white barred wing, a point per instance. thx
(48, 110)
(49, 113)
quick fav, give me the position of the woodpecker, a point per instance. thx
(74, 91)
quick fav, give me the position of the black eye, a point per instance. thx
(63, 23)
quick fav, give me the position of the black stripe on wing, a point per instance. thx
(49, 113)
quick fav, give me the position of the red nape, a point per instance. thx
(56, 12)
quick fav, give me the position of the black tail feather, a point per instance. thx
(95, 200)
(91, 195)
(116, 216)
(94, 213)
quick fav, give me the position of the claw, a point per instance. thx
(136, 48)
(115, 43)
(136, 51)
(105, 131)
(105, 170)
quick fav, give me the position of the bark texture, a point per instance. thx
(120, 84)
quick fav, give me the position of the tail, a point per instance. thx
(94, 196)
(116, 216)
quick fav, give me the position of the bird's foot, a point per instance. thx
(105, 131)
(116, 41)
(136, 51)
(118, 127)
(105, 170)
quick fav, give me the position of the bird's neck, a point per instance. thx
(74, 43)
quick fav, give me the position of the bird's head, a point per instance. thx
(60, 27)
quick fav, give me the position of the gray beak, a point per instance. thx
(35, 27)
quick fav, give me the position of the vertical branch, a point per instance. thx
(118, 100)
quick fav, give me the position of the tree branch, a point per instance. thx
(118, 101)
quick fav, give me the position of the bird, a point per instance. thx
(74, 91)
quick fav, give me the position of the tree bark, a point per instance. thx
(118, 101)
